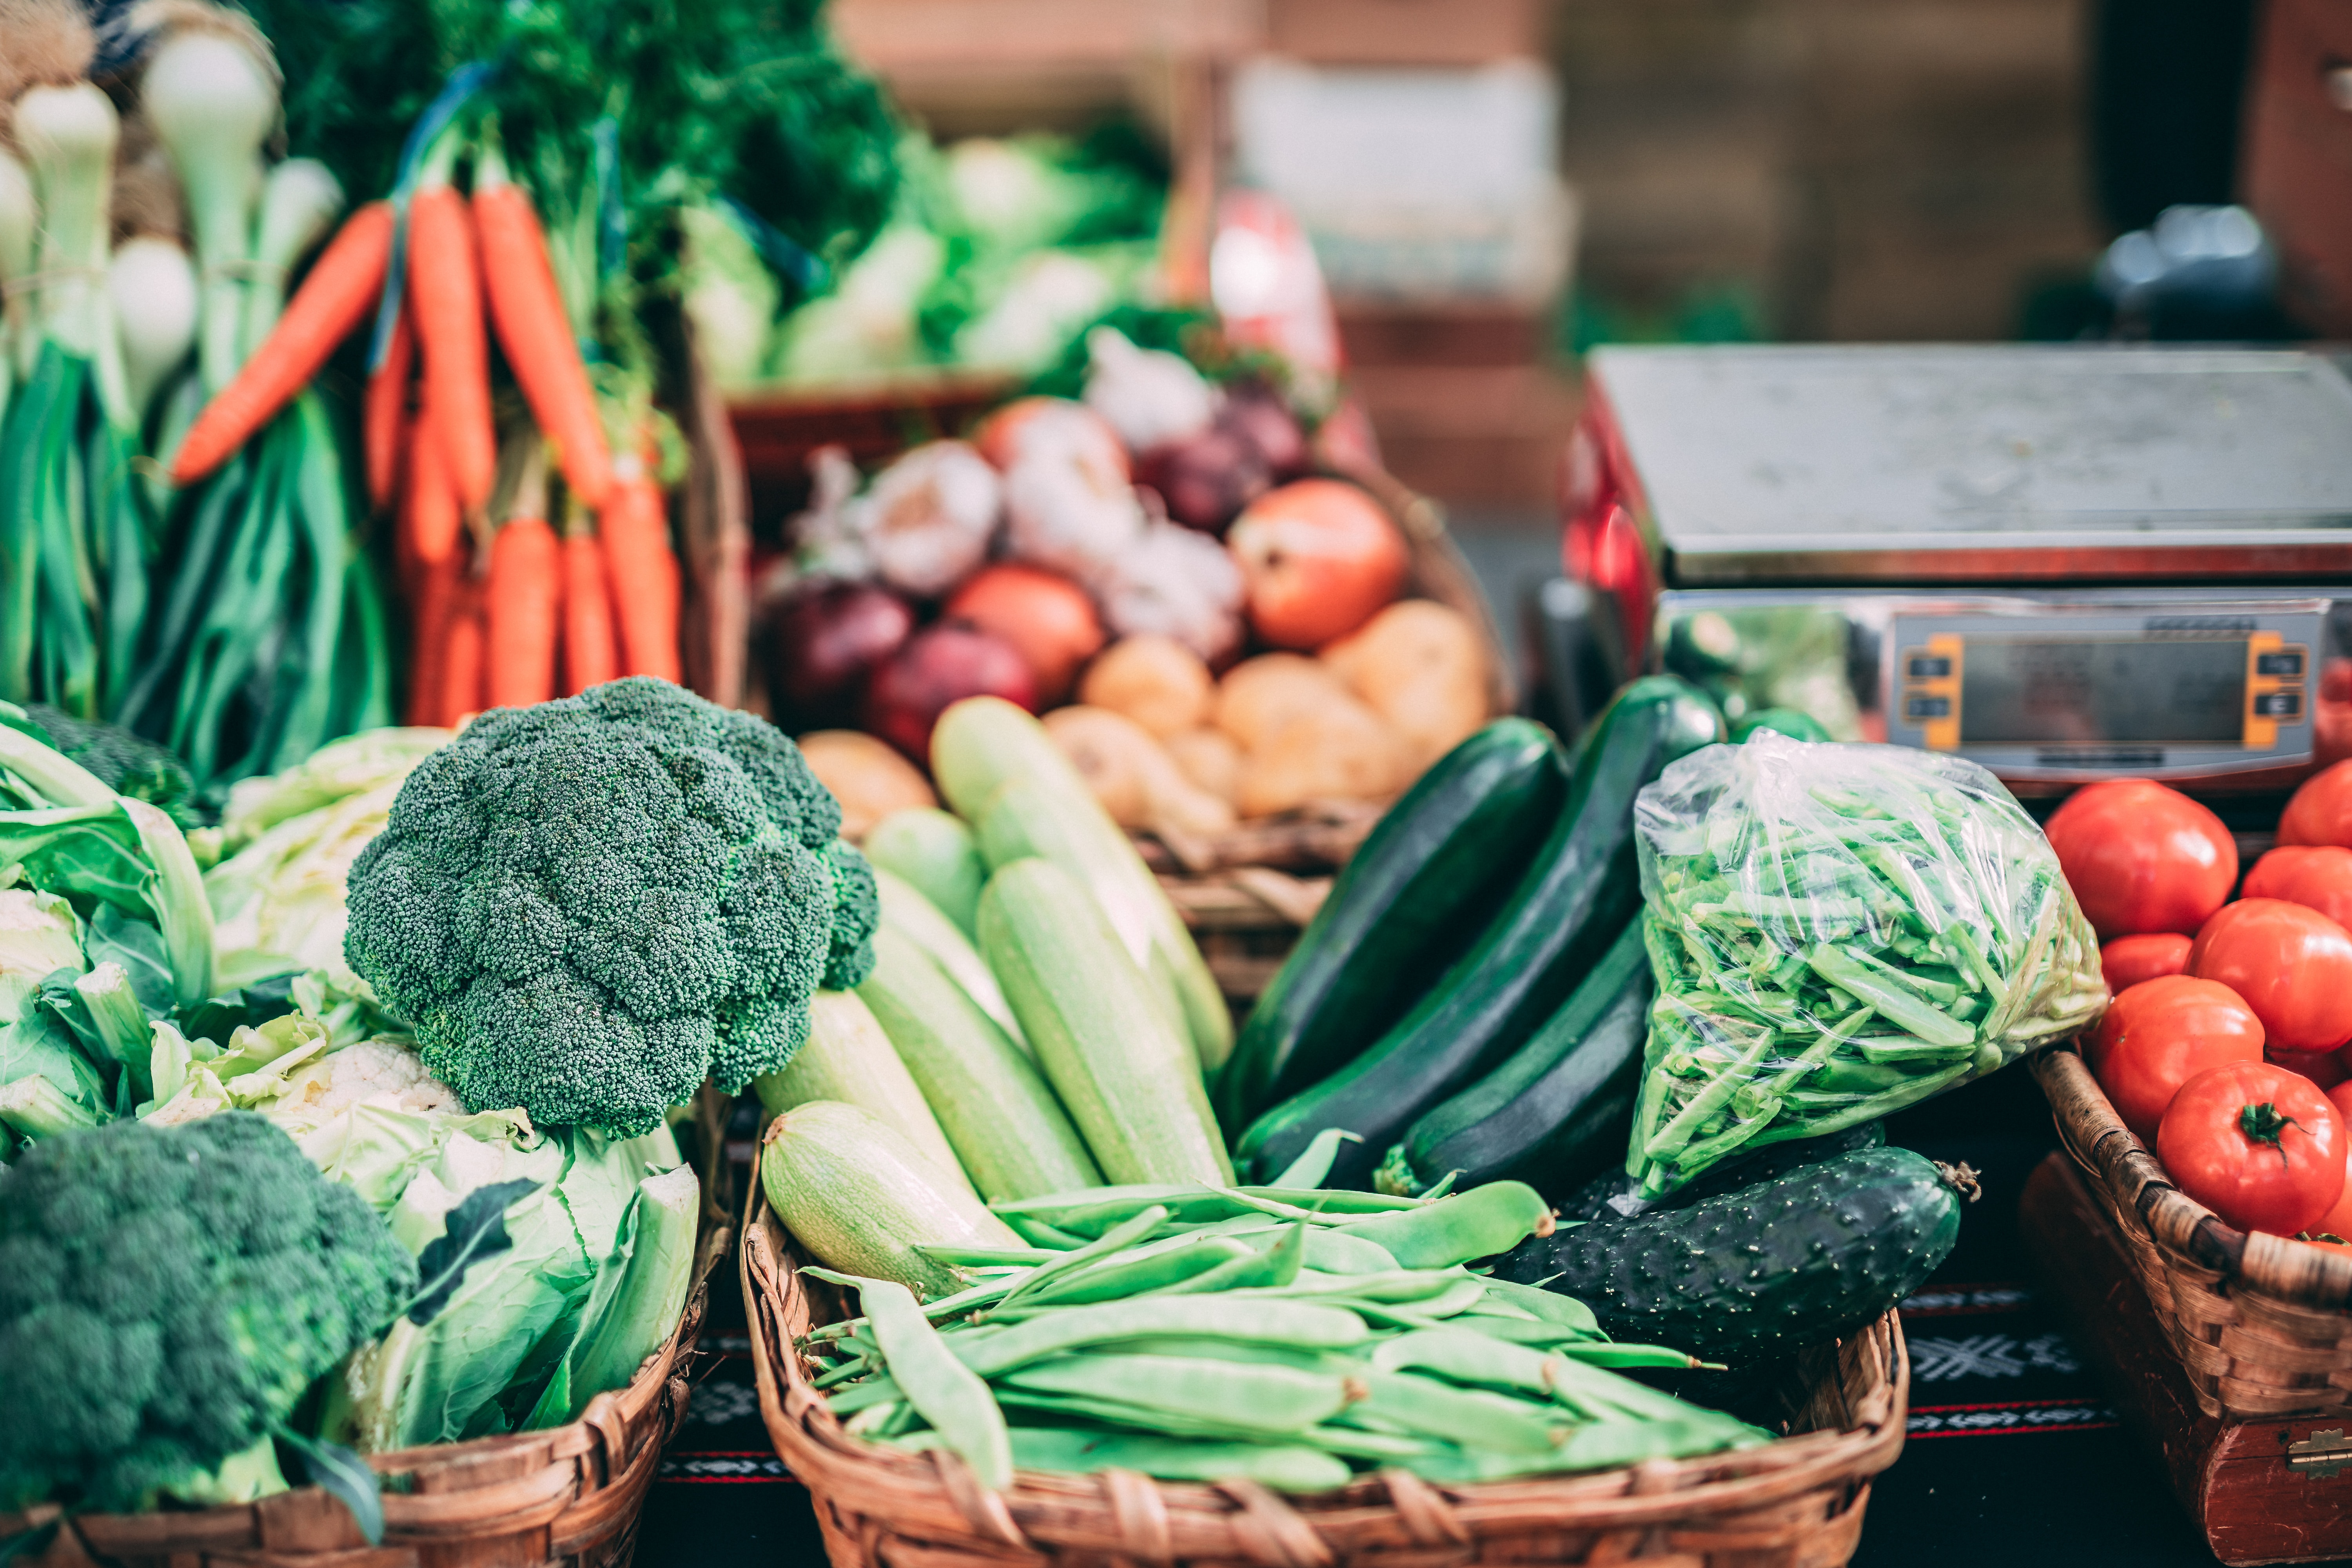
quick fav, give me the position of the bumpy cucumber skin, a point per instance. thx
(1406, 905)
(1583, 886)
(1764, 1271)
(1592, 1202)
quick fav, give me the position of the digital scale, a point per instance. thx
(2064, 562)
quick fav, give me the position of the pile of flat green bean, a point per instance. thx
(1287, 1335)
(1838, 932)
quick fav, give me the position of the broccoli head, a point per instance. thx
(166, 1295)
(587, 907)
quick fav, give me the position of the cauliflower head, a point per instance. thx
(587, 906)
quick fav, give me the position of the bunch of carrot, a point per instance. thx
(514, 599)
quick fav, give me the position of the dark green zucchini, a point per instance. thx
(1614, 1196)
(1407, 904)
(1558, 1110)
(1794, 722)
(1564, 913)
(1774, 1267)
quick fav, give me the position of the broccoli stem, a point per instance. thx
(244, 1477)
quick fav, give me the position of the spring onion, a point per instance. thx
(153, 288)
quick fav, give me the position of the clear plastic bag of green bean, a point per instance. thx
(1838, 932)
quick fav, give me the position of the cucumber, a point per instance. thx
(933, 850)
(1410, 901)
(1568, 907)
(1794, 722)
(850, 1058)
(906, 911)
(1002, 1121)
(1615, 1195)
(1557, 1109)
(979, 746)
(1770, 1267)
(860, 1198)
(1130, 1084)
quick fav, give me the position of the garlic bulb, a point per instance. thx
(928, 519)
(1179, 584)
(1151, 397)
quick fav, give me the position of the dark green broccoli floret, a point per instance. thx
(587, 907)
(125, 762)
(166, 1295)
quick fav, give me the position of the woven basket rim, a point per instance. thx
(1190, 1521)
(2190, 1235)
(448, 1502)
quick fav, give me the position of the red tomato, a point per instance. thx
(2160, 998)
(2162, 1033)
(2293, 965)
(2324, 1068)
(2128, 960)
(2257, 1145)
(2321, 811)
(2142, 858)
(2317, 876)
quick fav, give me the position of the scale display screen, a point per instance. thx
(2081, 692)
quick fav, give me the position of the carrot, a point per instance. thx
(343, 287)
(445, 290)
(535, 331)
(383, 418)
(433, 515)
(525, 587)
(466, 645)
(433, 599)
(644, 573)
(589, 656)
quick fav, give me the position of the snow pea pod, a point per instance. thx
(1480, 1223)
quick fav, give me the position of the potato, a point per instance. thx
(1134, 778)
(1339, 750)
(1421, 668)
(1157, 682)
(870, 779)
(1259, 695)
(1210, 759)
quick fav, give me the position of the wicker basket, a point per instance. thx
(1796, 1503)
(2260, 1322)
(569, 1495)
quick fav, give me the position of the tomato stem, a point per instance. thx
(2263, 1124)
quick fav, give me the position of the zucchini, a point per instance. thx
(1001, 1120)
(906, 911)
(1568, 907)
(1409, 901)
(1130, 1084)
(861, 1199)
(982, 744)
(849, 1057)
(933, 850)
(1556, 1110)
(1615, 1195)
(1770, 1267)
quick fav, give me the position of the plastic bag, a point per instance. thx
(1838, 932)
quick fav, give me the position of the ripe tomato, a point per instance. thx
(2160, 1034)
(2317, 876)
(2128, 960)
(2321, 811)
(2324, 1068)
(2142, 858)
(2257, 1145)
(2291, 964)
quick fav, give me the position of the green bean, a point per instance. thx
(1709, 1100)
(1276, 1266)
(1296, 1323)
(1038, 1233)
(1313, 1162)
(1284, 1467)
(948, 1394)
(1365, 1443)
(1466, 1416)
(1338, 1251)
(1142, 1271)
(1872, 982)
(1549, 1305)
(1263, 1398)
(1332, 1201)
(982, 1256)
(1118, 1238)
(1481, 1223)
(1404, 1285)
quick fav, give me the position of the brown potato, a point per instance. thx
(867, 776)
(1421, 668)
(1339, 750)
(1259, 695)
(1133, 776)
(1211, 759)
(1157, 682)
